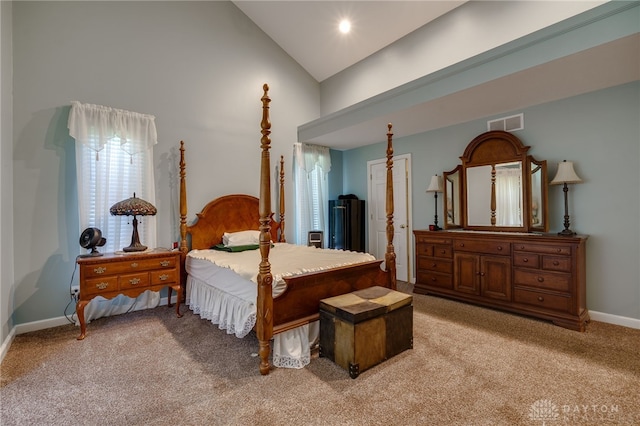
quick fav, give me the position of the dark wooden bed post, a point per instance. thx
(390, 255)
(282, 237)
(264, 318)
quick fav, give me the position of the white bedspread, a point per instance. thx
(222, 288)
(285, 259)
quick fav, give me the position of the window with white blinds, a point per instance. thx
(109, 176)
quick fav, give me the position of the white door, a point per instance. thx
(377, 215)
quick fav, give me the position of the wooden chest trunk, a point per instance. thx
(361, 329)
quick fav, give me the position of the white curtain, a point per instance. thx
(311, 165)
(508, 197)
(97, 125)
(114, 159)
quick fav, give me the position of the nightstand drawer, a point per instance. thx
(129, 281)
(164, 277)
(99, 285)
(130, 265)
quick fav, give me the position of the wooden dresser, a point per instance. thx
(130, 274)
(540, 275)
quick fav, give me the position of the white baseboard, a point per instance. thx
(40, 325)
(7, 344)
(615, 319)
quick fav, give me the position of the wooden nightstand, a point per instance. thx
(129, 274)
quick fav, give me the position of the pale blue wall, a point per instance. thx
(600, 132)
(197, 66)
(6, 172)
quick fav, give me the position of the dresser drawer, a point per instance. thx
(164, 277)
(543, 300)
(99, 285)
(543, 249)
(490, 247)
(528, 260)
(431, 239)
(423, 249)
(539, 279)
(129, 281)
(444, 251)
(556, 263)
(435, 279)
(435, 265)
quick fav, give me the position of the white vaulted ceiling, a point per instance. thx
(307, 31)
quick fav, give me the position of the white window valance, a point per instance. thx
(95, 125)
(309, 156)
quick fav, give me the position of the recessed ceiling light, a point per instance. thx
(345, 26)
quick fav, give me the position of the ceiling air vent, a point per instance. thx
(508, 124)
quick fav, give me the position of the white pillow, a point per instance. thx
(242, 238)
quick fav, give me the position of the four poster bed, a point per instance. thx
(280, 293)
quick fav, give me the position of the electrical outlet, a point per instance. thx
(75, 291)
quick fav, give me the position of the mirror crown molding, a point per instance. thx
(492, 147)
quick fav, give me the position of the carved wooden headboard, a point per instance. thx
(230, 213)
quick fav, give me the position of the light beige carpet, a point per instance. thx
(469, 366)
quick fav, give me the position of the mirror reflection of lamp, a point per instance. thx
(566, 175)
(133, 207)
(435, 186)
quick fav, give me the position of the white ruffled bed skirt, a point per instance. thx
(291, 349)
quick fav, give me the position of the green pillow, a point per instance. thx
(234, 249)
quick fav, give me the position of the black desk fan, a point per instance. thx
(90, 239)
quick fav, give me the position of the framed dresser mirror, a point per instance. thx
(452, 199)
(498, 187)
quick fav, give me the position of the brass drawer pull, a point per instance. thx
(163, 277)
(100, 270)
(102, 285)
(165, 263)
(134, 281)
(134, 265)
